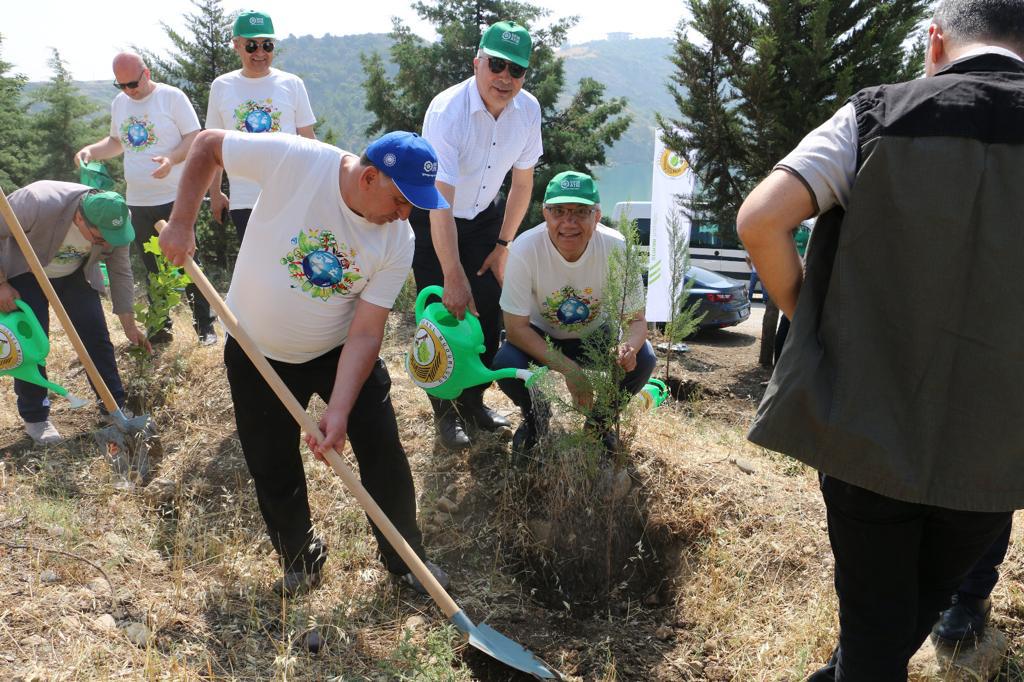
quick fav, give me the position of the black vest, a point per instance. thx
(903, 372)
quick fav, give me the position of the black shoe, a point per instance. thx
(534, 426)
(296, 583)
(611, 444)
(450, 432)
(163, 336)
(412, 581)
(485, 419)
(964, 621)
(207, 336)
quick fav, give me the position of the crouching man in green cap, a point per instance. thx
(71, 228)
(555, 289)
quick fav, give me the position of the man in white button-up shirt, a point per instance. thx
(481, 128)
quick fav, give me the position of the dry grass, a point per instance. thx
(746, 593)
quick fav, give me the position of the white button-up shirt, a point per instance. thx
(474, 150)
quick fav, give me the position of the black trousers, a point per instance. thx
(477, 238)
(83, 306)
(143, 220)
(270, 441)
(983, 577)
(897, 565)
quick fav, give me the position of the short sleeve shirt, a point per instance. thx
(310, 259)
(152, 126)
(475, 151)
(70, 255)
(275, 103)
(563, 299)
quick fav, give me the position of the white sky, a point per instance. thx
(88, 34)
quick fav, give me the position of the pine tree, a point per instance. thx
(16, 139)
(202, 52)
(64, 125)
(574, 137)
(752, 79)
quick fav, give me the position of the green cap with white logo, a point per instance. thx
(253, 24)
(570, 187)
(507, 40)
(108, 212)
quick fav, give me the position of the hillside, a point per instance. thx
(331, 69)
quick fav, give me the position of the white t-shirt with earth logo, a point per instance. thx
(275, 103)
(565, 300)
(296, 284)
(152, 126)
(69, 257)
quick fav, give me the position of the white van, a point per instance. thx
(708, 248)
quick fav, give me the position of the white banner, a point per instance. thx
(672, 177)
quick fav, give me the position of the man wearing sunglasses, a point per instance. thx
(153, 125)
(254, 99)
(481, 128)
(554, 290)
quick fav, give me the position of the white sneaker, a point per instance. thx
(43, 433)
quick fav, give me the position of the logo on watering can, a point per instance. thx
(430, 362)
(10, 349)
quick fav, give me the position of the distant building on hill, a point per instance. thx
(619, 35)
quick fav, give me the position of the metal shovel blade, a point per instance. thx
(127, 445)
(501, 648)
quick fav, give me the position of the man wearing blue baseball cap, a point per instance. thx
(330, 249)
(71, 228)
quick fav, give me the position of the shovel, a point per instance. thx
(482, 637)
(127, 441)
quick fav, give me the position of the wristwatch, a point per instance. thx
(503, 242)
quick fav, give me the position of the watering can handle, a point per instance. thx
(659, 383)
(30, 316)
(421, 298)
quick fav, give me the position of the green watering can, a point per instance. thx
(445, 356)
(654, 393)
(24, 347)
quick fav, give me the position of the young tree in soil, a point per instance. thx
(752, 79)
(683, 318)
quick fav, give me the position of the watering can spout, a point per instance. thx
(23, 350)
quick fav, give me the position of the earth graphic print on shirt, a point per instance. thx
(320, 266)
(137, 134)
(67, 254)
(570, 309)
(255, 117)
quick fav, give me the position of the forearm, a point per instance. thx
(180, 152)
(127, 320)
(354, 366)
(107, 148)
(534, 345)
(204, 161)
(217, 182)
(444, 235)
(765, 223)
(637, 334)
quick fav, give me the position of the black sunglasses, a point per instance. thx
(497, 65)
(130, 85)
(253, 45)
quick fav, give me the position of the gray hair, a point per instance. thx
(983, 21)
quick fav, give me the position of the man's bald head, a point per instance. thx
(129, 68)
(130, 60)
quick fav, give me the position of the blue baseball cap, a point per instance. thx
(411, 163)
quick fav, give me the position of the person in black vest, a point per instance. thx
(902, 383)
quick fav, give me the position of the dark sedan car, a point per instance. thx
(722, 300)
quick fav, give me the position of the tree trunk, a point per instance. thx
(768, 327)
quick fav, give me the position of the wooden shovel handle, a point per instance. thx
(14, 225)
(307, 424)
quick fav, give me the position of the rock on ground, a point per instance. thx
(969, 663)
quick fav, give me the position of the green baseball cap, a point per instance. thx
(570, 187)
(253, 24)
(507, 40)
(108, 212)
